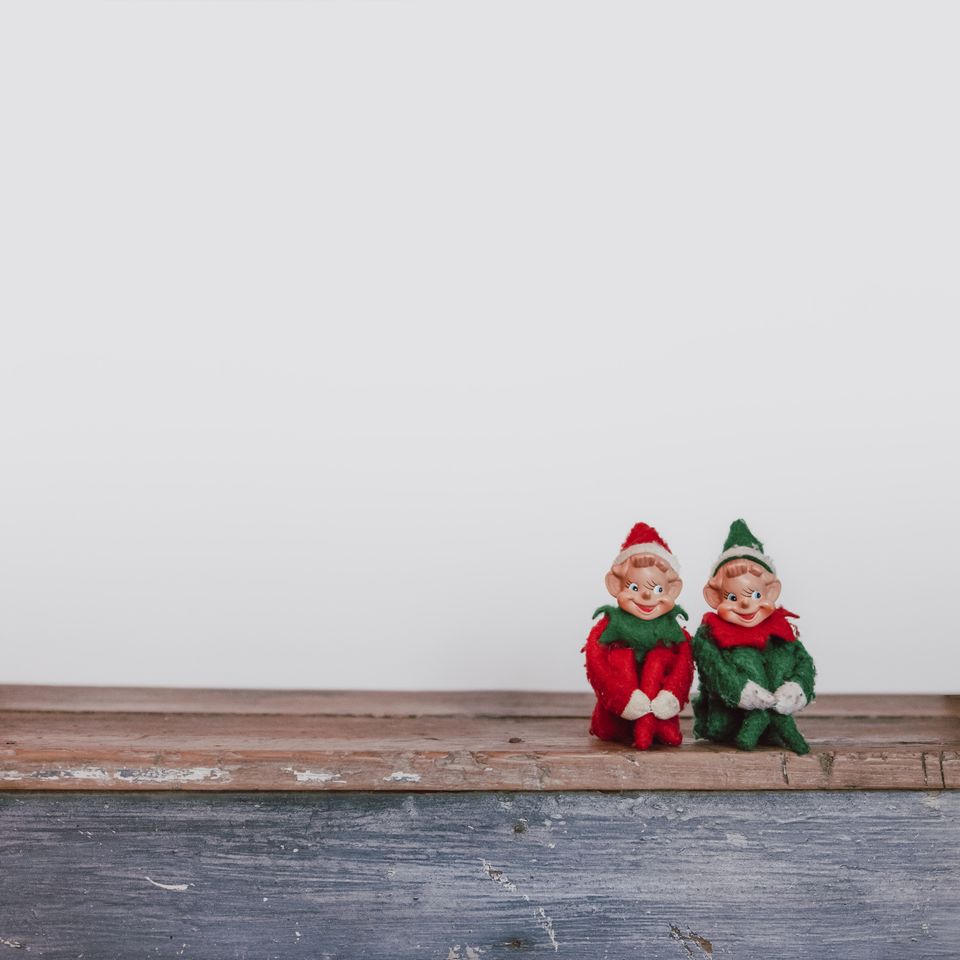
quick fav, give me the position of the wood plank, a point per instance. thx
(128, 751)
(339, 703)
(664, 876)
(400, 703)
(26, 734)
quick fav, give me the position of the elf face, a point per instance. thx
(743, 593)
(644, 586)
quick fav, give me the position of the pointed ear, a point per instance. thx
(772, 591)
(673, 589)
(711, 593)
(613, 583)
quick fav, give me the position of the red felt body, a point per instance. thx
(612, 672)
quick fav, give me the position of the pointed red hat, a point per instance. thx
(643, 538)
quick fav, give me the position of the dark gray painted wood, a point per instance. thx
(652, 875)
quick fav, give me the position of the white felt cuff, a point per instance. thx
(654, 549)
(790, 698)
(637, 706)
(754, 697)
(665, 705)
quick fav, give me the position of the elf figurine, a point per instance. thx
(754, 672)
(639, 660)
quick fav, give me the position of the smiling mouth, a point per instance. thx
(647, 609)
(747, 616)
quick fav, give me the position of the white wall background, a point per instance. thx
(342, 343)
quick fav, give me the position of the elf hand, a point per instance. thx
(637, 706)
(790, 698)
(665, 705)
(755, 697)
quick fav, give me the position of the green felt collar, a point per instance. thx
(642, 635)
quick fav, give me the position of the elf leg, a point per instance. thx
(770, 737)
(643, 731)
(753, 725)
(792, 738)
(701, 713)
(668, 731)
(608, 726)
(714, 720)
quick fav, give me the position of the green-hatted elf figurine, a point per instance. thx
(755, 674)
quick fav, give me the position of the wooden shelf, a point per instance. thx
(90, 738)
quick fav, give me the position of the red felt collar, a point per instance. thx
(727, 634)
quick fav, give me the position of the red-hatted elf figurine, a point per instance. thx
(639, 660)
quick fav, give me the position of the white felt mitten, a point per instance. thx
(755, 697)
(665, 705)
(637, 706)
(790, 698)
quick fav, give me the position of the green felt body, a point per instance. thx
(723, 675)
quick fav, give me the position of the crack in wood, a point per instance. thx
(540, 915)
(689, 940)
(547, 924)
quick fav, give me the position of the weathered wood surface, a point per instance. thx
(400, 703)
(90, 738)
(664, 876)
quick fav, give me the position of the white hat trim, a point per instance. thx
(735, 553)
(652, 548)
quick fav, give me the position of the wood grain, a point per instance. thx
(334, 703)
(403, 703)
(482, 876)
(509, 741)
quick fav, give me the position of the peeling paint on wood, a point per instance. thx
(314, 776)
(688, 940)
(126, 776)
(176, 887)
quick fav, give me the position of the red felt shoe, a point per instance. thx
(668, 732)
(608, 726)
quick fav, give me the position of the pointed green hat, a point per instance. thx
(741, 544)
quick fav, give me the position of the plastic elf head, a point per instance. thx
(743, 587)
(643, 577)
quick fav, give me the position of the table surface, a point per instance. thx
(125, 738)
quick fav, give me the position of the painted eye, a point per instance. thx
(756, 594)
(731, 597)
(658, 589)
(633, 587)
